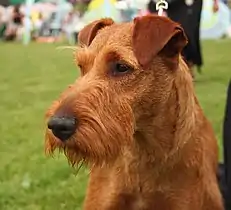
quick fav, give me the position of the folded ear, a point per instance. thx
(154, 34)
(88, 33)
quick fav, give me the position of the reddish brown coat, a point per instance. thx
(143, 134)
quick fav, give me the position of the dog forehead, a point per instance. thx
(116, 34)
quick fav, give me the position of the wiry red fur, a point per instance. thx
(143, 134)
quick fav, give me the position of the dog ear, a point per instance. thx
(153, 35)
(88, 33)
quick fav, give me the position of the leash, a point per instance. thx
(161, 5)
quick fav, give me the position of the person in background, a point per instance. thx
(15, 23)
(68, 26)
(38, 25)
(188, 14)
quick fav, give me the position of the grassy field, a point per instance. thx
(30, 79)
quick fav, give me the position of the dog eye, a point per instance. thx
(120, 69)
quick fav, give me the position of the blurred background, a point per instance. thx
(33, 73)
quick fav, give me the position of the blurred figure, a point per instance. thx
(15, 23)
(188, 14)
(55, 26)
(69, 23)
(38, 22)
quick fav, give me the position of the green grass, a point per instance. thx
(30, 79)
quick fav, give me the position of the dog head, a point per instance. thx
(127, 72)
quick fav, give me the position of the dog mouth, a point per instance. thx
(63, 136)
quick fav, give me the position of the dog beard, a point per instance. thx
(105, 125)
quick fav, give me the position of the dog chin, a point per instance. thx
(79, 153)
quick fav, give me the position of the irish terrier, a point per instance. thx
(133, 118)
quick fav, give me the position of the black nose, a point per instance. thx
(62, 127)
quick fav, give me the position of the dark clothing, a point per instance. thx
(227, 147)
(17, 19)
(2, 29)
(189, 18)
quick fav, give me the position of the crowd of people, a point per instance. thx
(42, 29)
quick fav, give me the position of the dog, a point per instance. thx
(133, 118)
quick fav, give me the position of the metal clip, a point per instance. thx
(160, 6)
